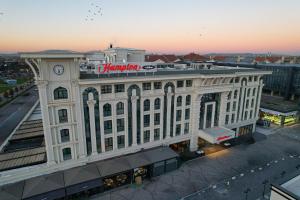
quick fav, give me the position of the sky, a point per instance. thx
(158, 26)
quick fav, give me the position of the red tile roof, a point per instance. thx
(194, 57)
(165, 58)
(219, 58)
(272, 59)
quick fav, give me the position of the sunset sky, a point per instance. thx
(159, 26)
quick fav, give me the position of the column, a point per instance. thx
(169, 107)
(223, 106)
(79, 121)
(259, 99)
(114, 124)
(161, 129)
(196, 103)
(42, 86)
(241, 103)
(142, 121)
(183, 114)
(102, 127)
(126, 122)
(91, 103)
(152, 119)
(134, 99)
(175, 115)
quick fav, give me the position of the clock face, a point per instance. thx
(58, 69)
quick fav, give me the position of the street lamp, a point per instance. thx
(246, 192)
(264, 183)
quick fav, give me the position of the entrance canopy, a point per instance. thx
(216, 135)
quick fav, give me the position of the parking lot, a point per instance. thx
(232, 173)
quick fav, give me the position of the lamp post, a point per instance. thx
(265, 182)
(246, 192)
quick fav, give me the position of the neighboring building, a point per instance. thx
(122, 123)
(289, 190)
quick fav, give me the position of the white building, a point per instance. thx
(90, 117)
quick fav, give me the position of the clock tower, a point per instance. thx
(57, 74)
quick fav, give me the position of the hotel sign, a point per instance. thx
(110, 68)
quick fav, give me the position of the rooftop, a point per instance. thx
(293, 185)
(278, 104)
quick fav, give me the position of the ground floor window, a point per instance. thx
(121, 141)
(156, 133)
(108, 144)
(178, 129)
(117, 180)
(186, 128)
(181, 147)
(146, 136)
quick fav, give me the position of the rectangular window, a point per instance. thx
(178, 115)
(251, 112)
(146, 86)
(63, 116)
(106, 89)
(187, 114)
(247, 103)
(146, 136)
(108, 144)
(120, 125)
(252, 103)
(246, 115)
(156, 134)
(186, 128)
(228, 107)
(234, 106)
(156, 119)
(180, 84)
(119, 88)
(121, 141)
(226, 119)
(157, 85)
(146, 120)
(232, 118)
(178, 129)
(253, 92)
(108, 127)
(189, 83)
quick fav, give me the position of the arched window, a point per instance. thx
(67, 153)
(107, 110)
(157, 104)
(60, 93)
(120, 108)
(147, 105)
(188, 100)
(229, 96)
(62, 115)
(64, 135)
(179, 101)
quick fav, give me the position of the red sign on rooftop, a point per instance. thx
(124, 68)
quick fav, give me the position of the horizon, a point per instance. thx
(171, 27)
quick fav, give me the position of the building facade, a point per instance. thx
(89, 117)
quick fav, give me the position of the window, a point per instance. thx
(146, 86)
(250, 78)
(146, 120)
(147, 105)
(107, 110)
(235, 94)
(226, 119)
(178, 129)
(248, 92)
(187, 114)
(121, 141)
(251, 112)
(252, 103)
(157, 104)
(64, 135)
(189, 83)
(146, 136)
(156, 119)
(120, 108)
(188, 100)
(232, 118)
(186, 128)
(119, 88)
(179, 101)
(120, 125)
(108, 144)
(180, 84)
(228, 107)
(229, 96)
(234, 106)
(253, 92)
(60, 93)
(246, 115)
(107, 126)
(247, 103)
(67, 154)
(156, 133)
(63, 115)
(106, 89)
(255, 78)
(157, 85)
(178, 115)
(237, 80)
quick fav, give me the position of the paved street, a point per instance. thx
(12, 113)
(226, 174)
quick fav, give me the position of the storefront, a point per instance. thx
(279, 118)
(181, 147)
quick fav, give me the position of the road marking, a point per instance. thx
(12, 114)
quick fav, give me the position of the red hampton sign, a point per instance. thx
(124, 68)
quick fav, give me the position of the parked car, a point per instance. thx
(226, 144)
(200, 152)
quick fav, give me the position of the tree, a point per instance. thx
(5, 94)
